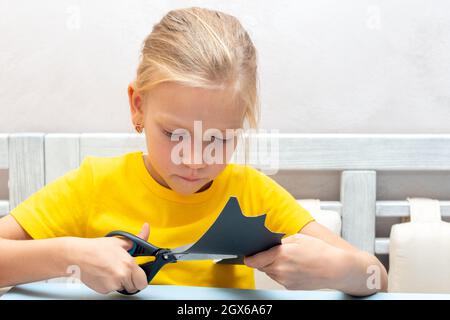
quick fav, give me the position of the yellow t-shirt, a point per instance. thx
(118, 193)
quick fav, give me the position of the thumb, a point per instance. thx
(293, 238)
(145, 232)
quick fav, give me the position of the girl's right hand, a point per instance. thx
(104, 263)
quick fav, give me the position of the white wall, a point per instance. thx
(326, 66)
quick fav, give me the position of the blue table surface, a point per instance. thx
(48, 290)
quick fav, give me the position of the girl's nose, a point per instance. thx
(196, 166)
(194, 160)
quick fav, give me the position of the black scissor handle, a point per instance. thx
(143, 248)
(151, 268)
(140, 246)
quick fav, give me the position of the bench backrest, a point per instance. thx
(34, 159)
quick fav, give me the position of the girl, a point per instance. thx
(197, 65)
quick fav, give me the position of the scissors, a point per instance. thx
(162, 256)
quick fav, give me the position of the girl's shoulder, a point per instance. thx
(245, 169)
(249, 175)
(107, 166)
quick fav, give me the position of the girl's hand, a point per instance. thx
(300, 262)
(105, 265)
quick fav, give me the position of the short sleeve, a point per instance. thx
(60, 208)
(284, 213)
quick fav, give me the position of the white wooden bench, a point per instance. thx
(34, 159)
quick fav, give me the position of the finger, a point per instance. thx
(271, 275)
(262, 259)
(139, 278)
(275, 278)
(125, 243)
(128, 285)
(293, 238)
(145, 232)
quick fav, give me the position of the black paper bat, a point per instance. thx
(233, 233)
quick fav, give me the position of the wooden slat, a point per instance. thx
(382, 245)
(26, 166)
(358, 198)
(314, 151)
(110, 144)
(62, 153)
(4, 164)
(401, 208)
(4, 158)
(386, 208)
(330, 205)
(400, 152)
(4, 207)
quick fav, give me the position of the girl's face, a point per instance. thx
(179, 160)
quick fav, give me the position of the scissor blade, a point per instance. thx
(202, 256)
(182, 248)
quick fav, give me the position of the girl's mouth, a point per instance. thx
(190, 179)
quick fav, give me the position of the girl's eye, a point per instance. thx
(213, 138)
(167, 133)
(170, 134)
(221, 140)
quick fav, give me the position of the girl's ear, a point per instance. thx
(135, 101)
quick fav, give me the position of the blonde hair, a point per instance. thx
(201, 48)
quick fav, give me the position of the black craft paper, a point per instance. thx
(235, 234)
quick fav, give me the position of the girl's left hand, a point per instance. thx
(301, 262)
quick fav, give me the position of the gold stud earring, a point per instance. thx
(139, 127)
